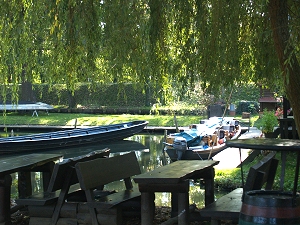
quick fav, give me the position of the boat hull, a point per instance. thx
(197, 152)
(194, 154)
(69, 138)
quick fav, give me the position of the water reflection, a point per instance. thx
(149, 152)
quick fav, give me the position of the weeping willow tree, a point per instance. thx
(165, 45)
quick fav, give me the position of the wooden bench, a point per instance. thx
(22, 164)
(63, 183)
(228, 206)
(99, 172)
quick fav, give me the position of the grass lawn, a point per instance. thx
(62, 119)
(68, 119)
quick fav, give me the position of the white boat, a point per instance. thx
(26, 106)
(203, 140)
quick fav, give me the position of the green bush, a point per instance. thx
(268, 121)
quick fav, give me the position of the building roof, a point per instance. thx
(269, 99)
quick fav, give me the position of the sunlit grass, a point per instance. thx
(69, 119)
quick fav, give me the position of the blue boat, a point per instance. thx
(204, 140)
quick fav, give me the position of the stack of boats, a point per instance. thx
(203, 140)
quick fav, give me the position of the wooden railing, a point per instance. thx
(288, 129)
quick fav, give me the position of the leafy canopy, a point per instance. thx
(160, 42)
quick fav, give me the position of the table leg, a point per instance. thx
(283, 162)
(209, 187)
(5, 187)
(24, 184)
(174, 204)
(147, 207)
(296, 175)
(183, 208)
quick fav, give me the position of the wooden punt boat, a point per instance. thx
(63, 139)
(202, 141)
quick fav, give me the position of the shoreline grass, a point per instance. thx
(68, 119)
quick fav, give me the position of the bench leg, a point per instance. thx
(5, 186)
(62, 197)
(147, 207)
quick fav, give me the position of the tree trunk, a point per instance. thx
(72, 100)
(278, 10)
(26, 88)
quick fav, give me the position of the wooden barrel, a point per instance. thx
(270, 207)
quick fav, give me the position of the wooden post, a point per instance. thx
(209, 187)
(147, 208)
(163, 149)
(176, 124)
(24, 184)
(5, 185)
(183, 206)
(75, 124)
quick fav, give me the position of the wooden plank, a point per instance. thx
(175, 172)
(116, 198)
(259, 173)
(99, 172)
(116, 168)
(60, 169)
(271, 144)
(179, 187)
(14, 164)
(45, 198)
(226, 207)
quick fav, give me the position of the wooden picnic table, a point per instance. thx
(281, 145)
(23, 164)
(174, 178)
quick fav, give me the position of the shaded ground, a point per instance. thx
(162, 214)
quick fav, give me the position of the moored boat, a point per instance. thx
(63, 139)
(203, 140)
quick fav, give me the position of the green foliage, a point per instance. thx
(245, 91)
(228, 179)
(268, 121)
(90, 97)
(164, 44)
(247, 106)
(231, 179)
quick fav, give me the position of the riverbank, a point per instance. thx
(46, 128)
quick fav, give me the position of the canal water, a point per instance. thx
(149, 152)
